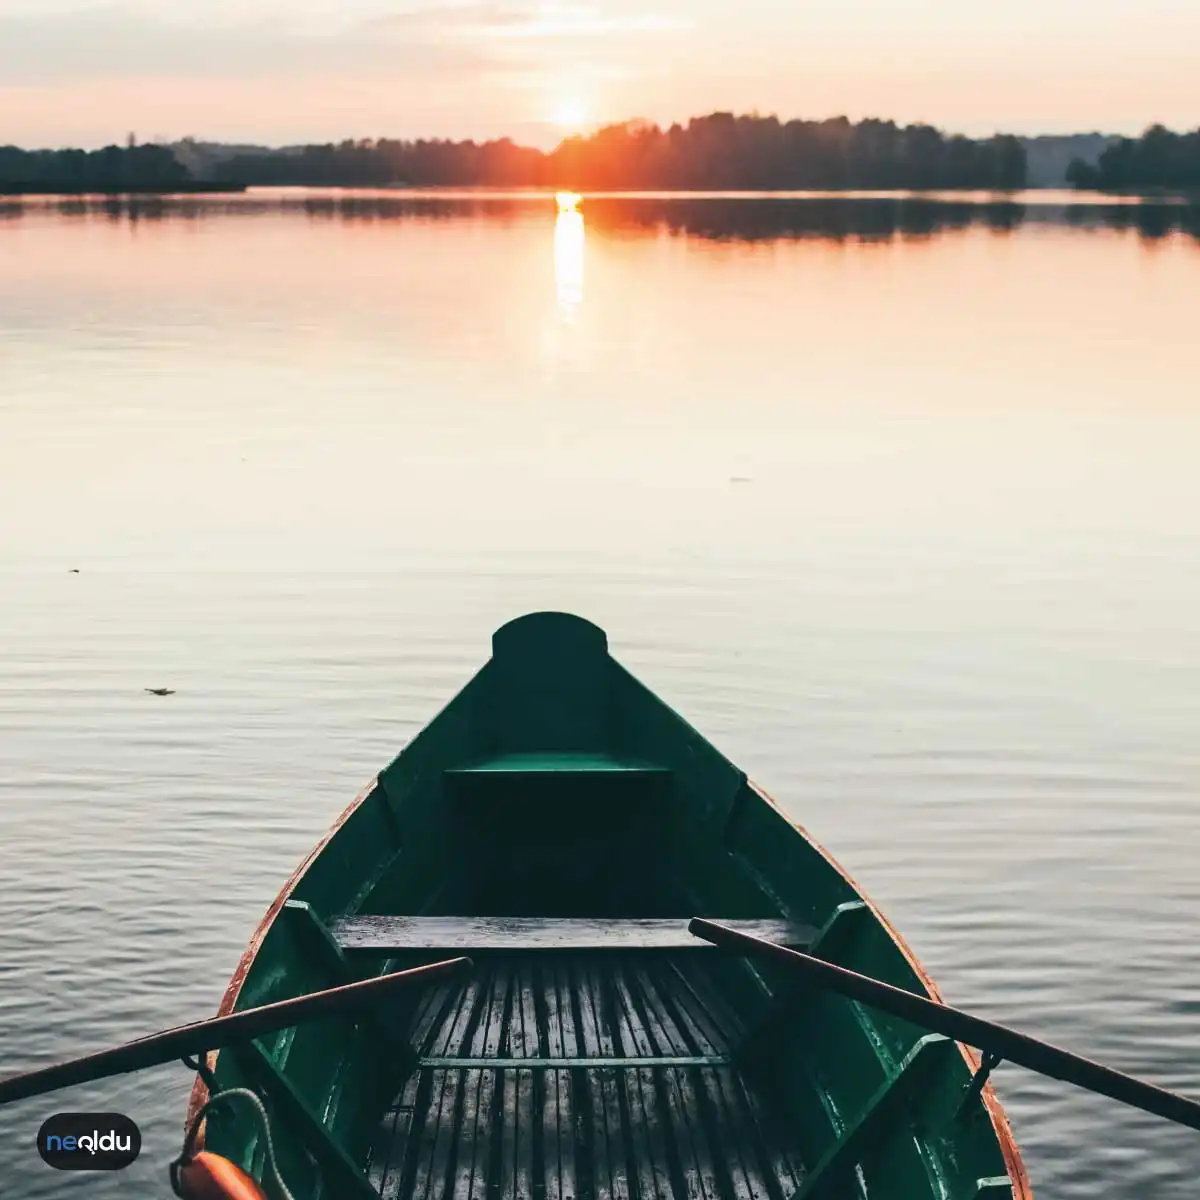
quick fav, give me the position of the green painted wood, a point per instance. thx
(398, 1056)
(999, 1187)
(842, 929)
(557, 763)
(345, 1178)
(549, 677)
(932, 1056)
(310, 926)
(791, 999)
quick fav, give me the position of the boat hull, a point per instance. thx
(555, 785)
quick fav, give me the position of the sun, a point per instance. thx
(570, 116)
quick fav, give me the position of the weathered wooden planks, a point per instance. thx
(392, 934)
(565, 1077)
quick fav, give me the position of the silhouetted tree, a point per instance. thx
(113, 169)
(1158, 159)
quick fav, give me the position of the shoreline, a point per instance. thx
(184, 189)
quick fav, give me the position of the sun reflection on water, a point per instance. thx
(568, 254)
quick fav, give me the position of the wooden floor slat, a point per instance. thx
(468, 1130)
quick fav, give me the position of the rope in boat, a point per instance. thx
(187, 1154)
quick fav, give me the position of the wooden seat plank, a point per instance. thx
(558, 763)
(388, 934)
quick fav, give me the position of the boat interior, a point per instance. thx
(560, 825)
(573, 1075)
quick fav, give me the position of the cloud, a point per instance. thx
(542, 47)
(121, 41)
(447, 41)
(300, 69)
(536, 21)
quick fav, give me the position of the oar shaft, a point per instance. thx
(202, 1036)
(963, 1027)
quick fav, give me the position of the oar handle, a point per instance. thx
(203, 1036)
(997, 1040)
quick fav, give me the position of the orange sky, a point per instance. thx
(270, 71)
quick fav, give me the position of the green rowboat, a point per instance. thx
(560, 825)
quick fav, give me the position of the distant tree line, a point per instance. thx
(113, 169)
(721, 151)
(1158, 159)
(368, 163)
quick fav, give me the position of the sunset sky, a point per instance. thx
(280, 71)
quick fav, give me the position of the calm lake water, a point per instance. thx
(898, 502)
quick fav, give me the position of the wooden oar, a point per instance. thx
(202, 1036)
(996, 1040)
